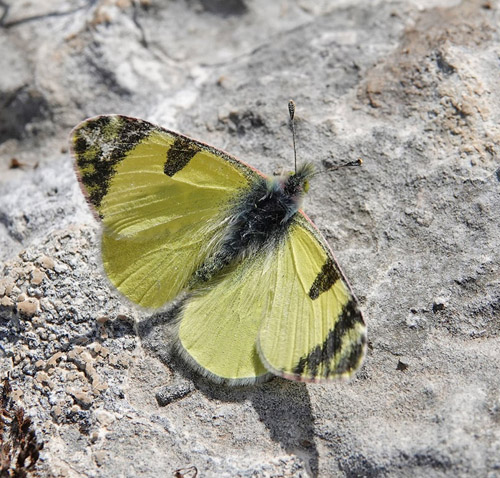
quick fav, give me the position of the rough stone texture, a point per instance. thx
(411, 87)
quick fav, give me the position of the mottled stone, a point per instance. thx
(410, 87)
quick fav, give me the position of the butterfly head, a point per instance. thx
(296, 184)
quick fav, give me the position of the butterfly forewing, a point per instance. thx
(161, 197)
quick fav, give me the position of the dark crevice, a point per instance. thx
(5, 11)
(19, 108)
(135, 19)
(34, 18)
(225, 8)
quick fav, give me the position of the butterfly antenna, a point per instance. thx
(291, 112)
(356, 162)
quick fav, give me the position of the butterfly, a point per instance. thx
(261, 293)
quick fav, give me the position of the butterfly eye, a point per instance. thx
(306, 186)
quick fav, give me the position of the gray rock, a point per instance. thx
(410, 87)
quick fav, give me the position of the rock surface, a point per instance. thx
(411, 87)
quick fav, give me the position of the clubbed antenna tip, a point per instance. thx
(291, 109)
(291, 112)
(356, 162)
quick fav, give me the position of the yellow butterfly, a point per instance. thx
(261, 290)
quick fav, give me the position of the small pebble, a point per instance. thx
(28, 307)
(37, 276)
(6, 302)
(99, 457)
(83, 399)
(46, 262)
(104, 418)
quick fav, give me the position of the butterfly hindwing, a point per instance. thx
(313, 329)
(219, 324)
(161, 197)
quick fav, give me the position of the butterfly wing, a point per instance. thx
(161, 197)
(290, 312)
(313, 329)
(219, 324)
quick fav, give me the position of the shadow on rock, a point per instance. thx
(282, 405)
(285, 408)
